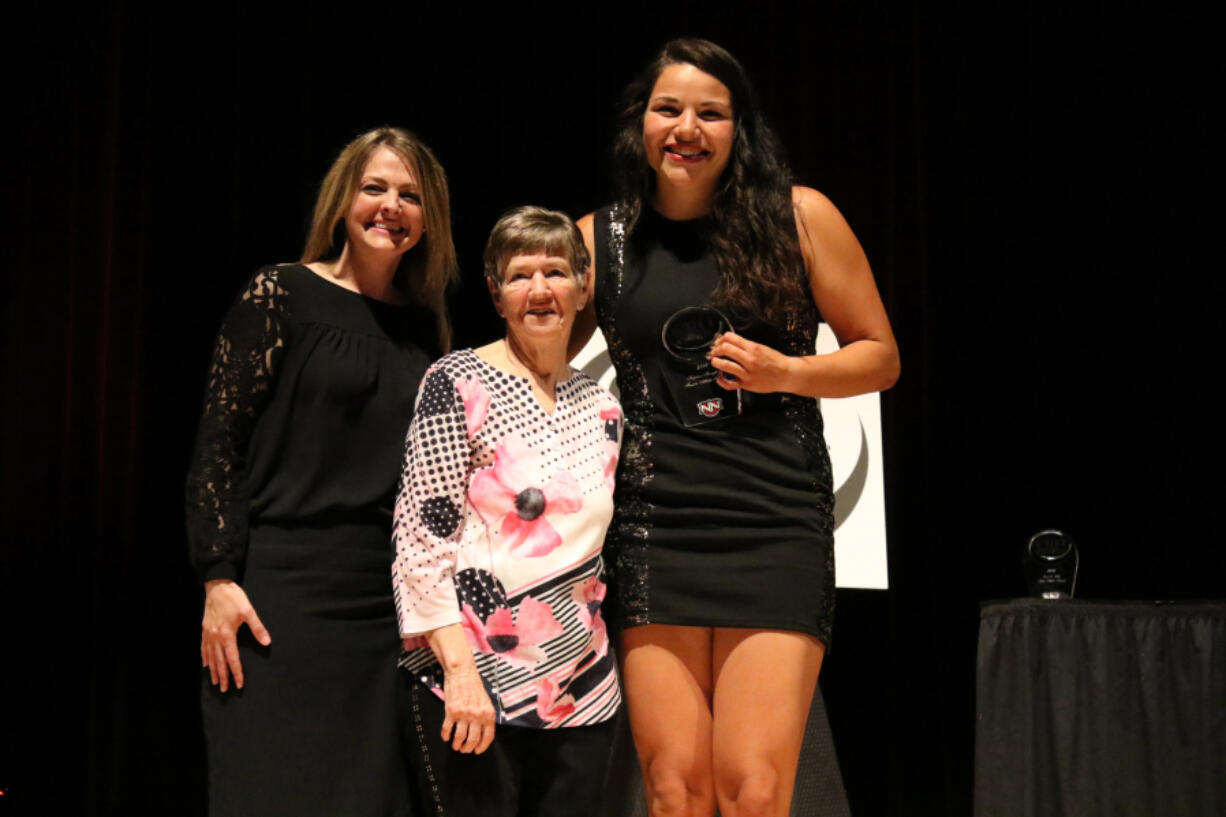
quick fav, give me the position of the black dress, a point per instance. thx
(727, 524)
(309, 397)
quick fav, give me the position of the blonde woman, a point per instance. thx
(309, 394)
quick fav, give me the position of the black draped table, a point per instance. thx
(1091, 708)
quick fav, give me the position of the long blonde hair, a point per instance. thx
(427, 269)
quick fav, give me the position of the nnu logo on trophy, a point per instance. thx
(687, 338)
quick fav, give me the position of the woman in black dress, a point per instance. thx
(721, 540)
(309, 395)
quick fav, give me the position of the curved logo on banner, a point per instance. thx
(853, 436)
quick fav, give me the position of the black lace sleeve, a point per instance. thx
(249, 348)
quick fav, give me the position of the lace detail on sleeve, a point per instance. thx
(249, 349)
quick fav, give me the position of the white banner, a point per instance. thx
(853, 435)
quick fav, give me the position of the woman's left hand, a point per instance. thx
(743, 364)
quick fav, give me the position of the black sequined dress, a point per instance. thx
(727, 524)
(309, 397)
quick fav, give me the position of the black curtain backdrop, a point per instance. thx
(1035, 183)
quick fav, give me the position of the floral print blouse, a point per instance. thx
(499, 521)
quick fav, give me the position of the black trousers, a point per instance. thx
(525, 772)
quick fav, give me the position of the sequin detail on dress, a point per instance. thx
(727, 525)
(800, 337)
(631, 526)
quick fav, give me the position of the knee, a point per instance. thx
(672, 792)
(756, 792)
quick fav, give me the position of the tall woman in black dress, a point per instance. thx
(721, 540)
(309, 395)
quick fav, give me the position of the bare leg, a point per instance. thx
(667, 675)
(764, 682)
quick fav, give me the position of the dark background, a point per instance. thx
(1035, 186)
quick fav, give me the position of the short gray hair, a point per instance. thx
(534, 229)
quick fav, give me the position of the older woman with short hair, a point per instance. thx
(505, 498)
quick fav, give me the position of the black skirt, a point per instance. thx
(314, 730)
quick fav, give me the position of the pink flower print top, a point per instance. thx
(507, 499)
(499, 523)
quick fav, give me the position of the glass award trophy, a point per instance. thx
(1050, 564)
(687, 338)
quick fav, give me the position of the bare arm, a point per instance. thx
(844, 290)
(585, 319)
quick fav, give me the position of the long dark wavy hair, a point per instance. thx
(754, 237)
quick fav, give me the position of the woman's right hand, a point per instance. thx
(469, 712)
(226, 608)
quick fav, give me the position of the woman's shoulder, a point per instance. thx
(603, 223)
(587, 223)
(818, 221)
(613, 211)
(820, 225)
(812, 204)
(273, 283)
(267, 292)
(816, 208)
(456, 365)
(447, 383)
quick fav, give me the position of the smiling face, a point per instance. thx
(688, 127)
(538, 296)
(385, 215)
